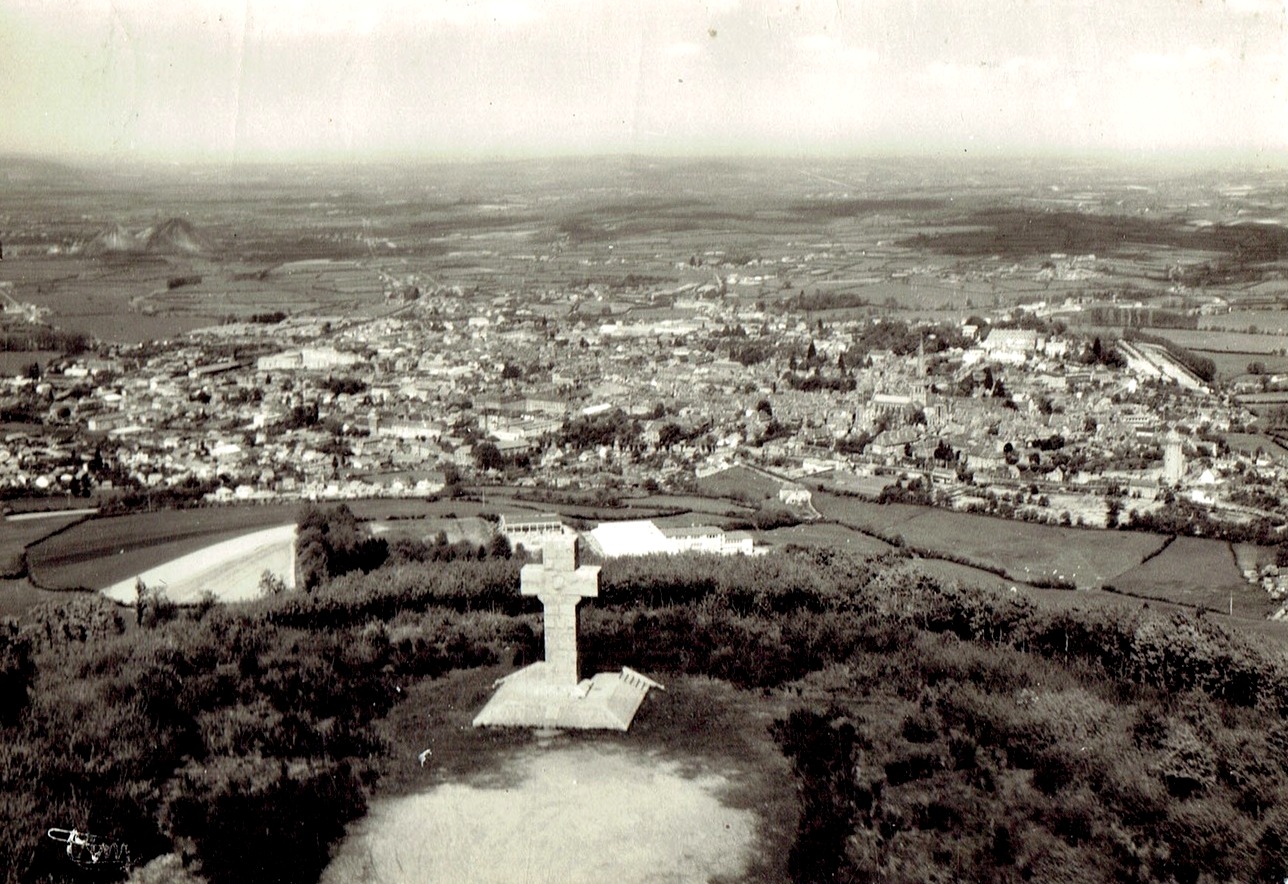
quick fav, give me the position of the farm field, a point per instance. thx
(230, 570)
(741, 483)
(14, 362)
(849, 483)
(864, 514)
(825, 534)
(1250, 556)
(1248, 443)
(499, 502)
(17, 597)
(128, 300)
(693, 504)
(1235, 365)
(471, 529)
(1223, 341)
(99, 552)
(1247, 621)
(412, 508)
(1029, 551)
(1271, 321)
(1026, 551)
(1196, 571)
(17, 534)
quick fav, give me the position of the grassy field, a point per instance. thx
(14, 363)
(864, 514)
(693, 504)
(15, 536)
(1251, 556)
(1227, 341)
(1266, 321)
(503, 500)
(99, 552)
(1196, 571)
(1026, 551)
(741, 483)
(17, 597)
(374, 510)
(1235, 365)
(471, 529)
(1248, 443)
(826, 535)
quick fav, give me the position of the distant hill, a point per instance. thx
(25, 170)
(175, 236)
(114, 238)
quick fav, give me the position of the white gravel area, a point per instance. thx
(557, 815)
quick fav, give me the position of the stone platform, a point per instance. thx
(530, 698)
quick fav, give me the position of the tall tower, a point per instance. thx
(920, 387)
(1173, 458)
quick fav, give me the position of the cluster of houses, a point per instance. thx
(502, 391)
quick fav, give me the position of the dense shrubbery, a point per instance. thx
(43, 337)
(228, 734)
(1187, 518)
(942, 733)
(607, 428)
(330, 543)
(16, 672)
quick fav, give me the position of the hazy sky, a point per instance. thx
(257, 79)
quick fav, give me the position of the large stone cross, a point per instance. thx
(548, 694)
(561, 585)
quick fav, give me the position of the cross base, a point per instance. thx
(529, 698)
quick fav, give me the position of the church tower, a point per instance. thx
(1173, 458)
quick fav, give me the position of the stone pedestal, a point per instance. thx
(550, 693)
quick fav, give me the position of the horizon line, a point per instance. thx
(1199, 156)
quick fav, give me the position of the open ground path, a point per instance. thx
(581, 813)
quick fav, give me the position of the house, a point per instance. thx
(531, 530)
(794, 495)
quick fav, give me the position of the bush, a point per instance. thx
(265, 819)
(16, 671)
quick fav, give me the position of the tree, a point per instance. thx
(1113, 509)
(16, 671)
(499, 547)
(488, 457)
(330, 543)
(284, 814)
(669, 434)
(271, 584)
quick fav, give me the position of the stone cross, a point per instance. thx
(560, 584)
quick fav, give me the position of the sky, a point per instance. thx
(350, 80)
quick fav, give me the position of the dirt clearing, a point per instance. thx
(556, 814)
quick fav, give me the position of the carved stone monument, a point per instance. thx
(550, 693)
